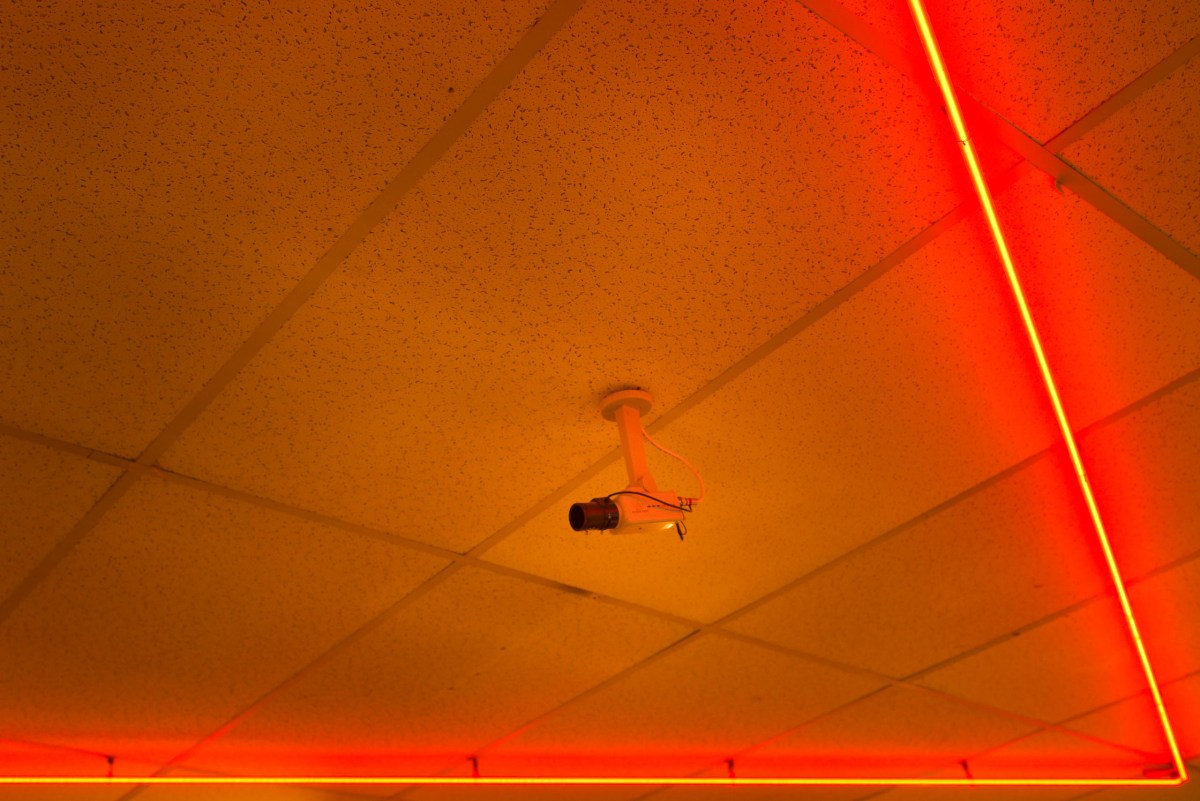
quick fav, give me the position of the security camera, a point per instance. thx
(628, 512)
(641, 507)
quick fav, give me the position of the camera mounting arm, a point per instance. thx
(626, 408)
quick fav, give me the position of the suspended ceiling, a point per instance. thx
(305, 315)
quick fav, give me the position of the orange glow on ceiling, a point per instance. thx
(1180, 776)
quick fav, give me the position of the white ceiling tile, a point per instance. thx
(177, 611)
(1146, 154)
(475, 658)
(1073, 263)
(705, 701)
(1145, 468)
(1059, 755)
(169, 172)
(645, 221)
(44, 493)
(1015, 551)
(896, 732)
(1077, 662)
(1134, 722)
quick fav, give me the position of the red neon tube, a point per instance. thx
(985, 200)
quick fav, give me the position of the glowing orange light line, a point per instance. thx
(590, 780)
(960, 129)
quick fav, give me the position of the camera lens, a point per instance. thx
(597, 515)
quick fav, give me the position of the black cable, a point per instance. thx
(687, 508)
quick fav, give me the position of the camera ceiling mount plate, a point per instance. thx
(638, 399)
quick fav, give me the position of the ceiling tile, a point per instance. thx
(178, 610)
(243, 793)
(1146, 153)
(1059, 755)
(706, 700)
(34, 759)
(170, 172)
(1042, 66)
(1167, 607)
(907, 394)
(526, 793)
(973, 793)
(1134, 722)
(56, 793)
(1188, 792)
(645, 221)
(896, 732)
(1145, 468)
(1075, 663)
(473, 659)
(1015, 551)
(1117, 319)
(45, 493)
(743, 793)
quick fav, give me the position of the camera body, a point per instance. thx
(640, 508)
(632, 511)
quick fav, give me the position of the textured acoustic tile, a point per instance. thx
(1073, 664)
(32, 759)
(645, 221)
(1060, 755)
(708, 699)
(721, 793)
(244, 793)
(1042, 66)
(487, 793)
(973, 793)
(177, 611)
(43, 493)
(1146, 154)
(1145, 468)
(1117, 319)
(893, 733)
(470, 661)
(1016, 551)
(170, 171)
(1134, 723)
(910, 392)
(1188, 792)
(1167, 606)
(54, 793)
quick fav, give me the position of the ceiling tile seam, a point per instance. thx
(1044, 158)
(1144, 693)
(66, 749)
(384, 203)
(891, 681)
(530, 44)
(363, 630)
(1124, 96)
(955, 763)
(66, 544)
(887, 535)
(1067, 176)
(620, 675)
(63, 446)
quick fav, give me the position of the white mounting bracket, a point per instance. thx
(626, 408)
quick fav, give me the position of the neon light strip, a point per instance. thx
(591, 780)
(960, 130)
